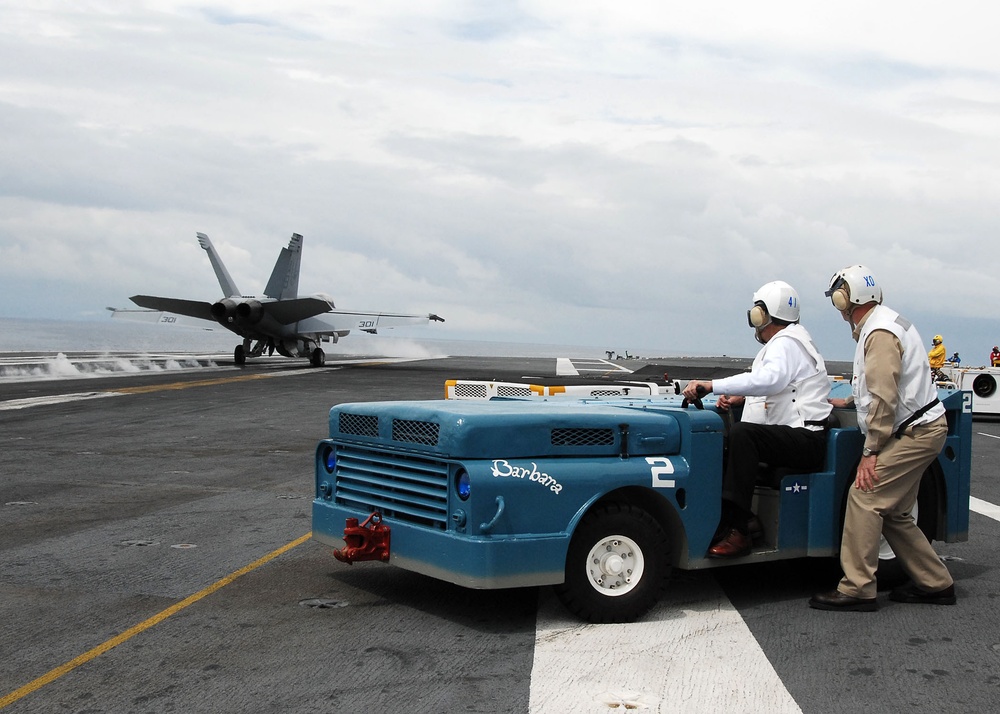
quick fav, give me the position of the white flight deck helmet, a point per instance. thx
(854, 285)
(776, 300)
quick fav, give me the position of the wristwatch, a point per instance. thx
(868, 452)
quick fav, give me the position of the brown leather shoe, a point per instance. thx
(911, 593)
(734, 545)
(836, 600)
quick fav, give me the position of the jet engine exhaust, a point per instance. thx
(224, 311)
(250, 311)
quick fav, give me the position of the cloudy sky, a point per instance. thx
(622, 175)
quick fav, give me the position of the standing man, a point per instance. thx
(935, 357)
(905, 428)
(785, 413)
(937, 352)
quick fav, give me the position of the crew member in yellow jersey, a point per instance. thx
(937, 352)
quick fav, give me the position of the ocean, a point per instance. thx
(35, 348)
(65, 349)
(61, 349)
(35, 335)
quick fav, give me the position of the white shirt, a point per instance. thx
(787, 384)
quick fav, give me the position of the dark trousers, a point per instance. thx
(753, 444)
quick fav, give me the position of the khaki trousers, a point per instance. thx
(886, 511)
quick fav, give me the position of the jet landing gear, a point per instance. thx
(249, 349)
(317, 357)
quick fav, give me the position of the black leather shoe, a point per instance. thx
(734, 545)
(911, 593)
(836, 600)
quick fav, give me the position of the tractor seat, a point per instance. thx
(770, 476)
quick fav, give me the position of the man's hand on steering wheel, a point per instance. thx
(695, 389)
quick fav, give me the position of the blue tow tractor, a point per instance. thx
(599, 497)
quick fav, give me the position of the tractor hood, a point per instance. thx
(522, 428)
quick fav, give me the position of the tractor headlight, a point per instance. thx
(329, 457)
(463, 484)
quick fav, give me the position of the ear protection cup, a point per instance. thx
(758, 316)
(841, 299)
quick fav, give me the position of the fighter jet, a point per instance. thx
(279, 321)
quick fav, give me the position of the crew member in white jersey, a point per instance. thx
(905, 429)
(785, 411)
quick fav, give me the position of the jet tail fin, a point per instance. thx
(229, 288)
(284, 281)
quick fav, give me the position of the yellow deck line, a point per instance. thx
(128, 634)
(184, 385)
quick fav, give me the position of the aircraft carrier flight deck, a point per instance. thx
(155, 557)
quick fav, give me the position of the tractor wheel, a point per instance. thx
(617, 566)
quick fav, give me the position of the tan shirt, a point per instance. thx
(883, 364)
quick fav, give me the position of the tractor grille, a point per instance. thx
(400, 486)
(510, 390)
(415, 432)
(583, 437)
(464, 390)
(358, 424)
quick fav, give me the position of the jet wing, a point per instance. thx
(370, 322)
(342, 321)
(191, 308)
(288, 311)
(159, 317)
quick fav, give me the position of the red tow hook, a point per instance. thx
(368, 541)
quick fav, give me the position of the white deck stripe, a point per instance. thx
(11, 404)
(53, 399)
(602, 366)
(984, 508)
(565, 368)
(680, 658)
(569, 367)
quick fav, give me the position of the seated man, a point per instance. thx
(784, 416)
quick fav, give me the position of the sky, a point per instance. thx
(620, 175)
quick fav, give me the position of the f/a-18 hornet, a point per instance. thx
(279, 321)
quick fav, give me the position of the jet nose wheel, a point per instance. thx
(240, 356)
(318, 358)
